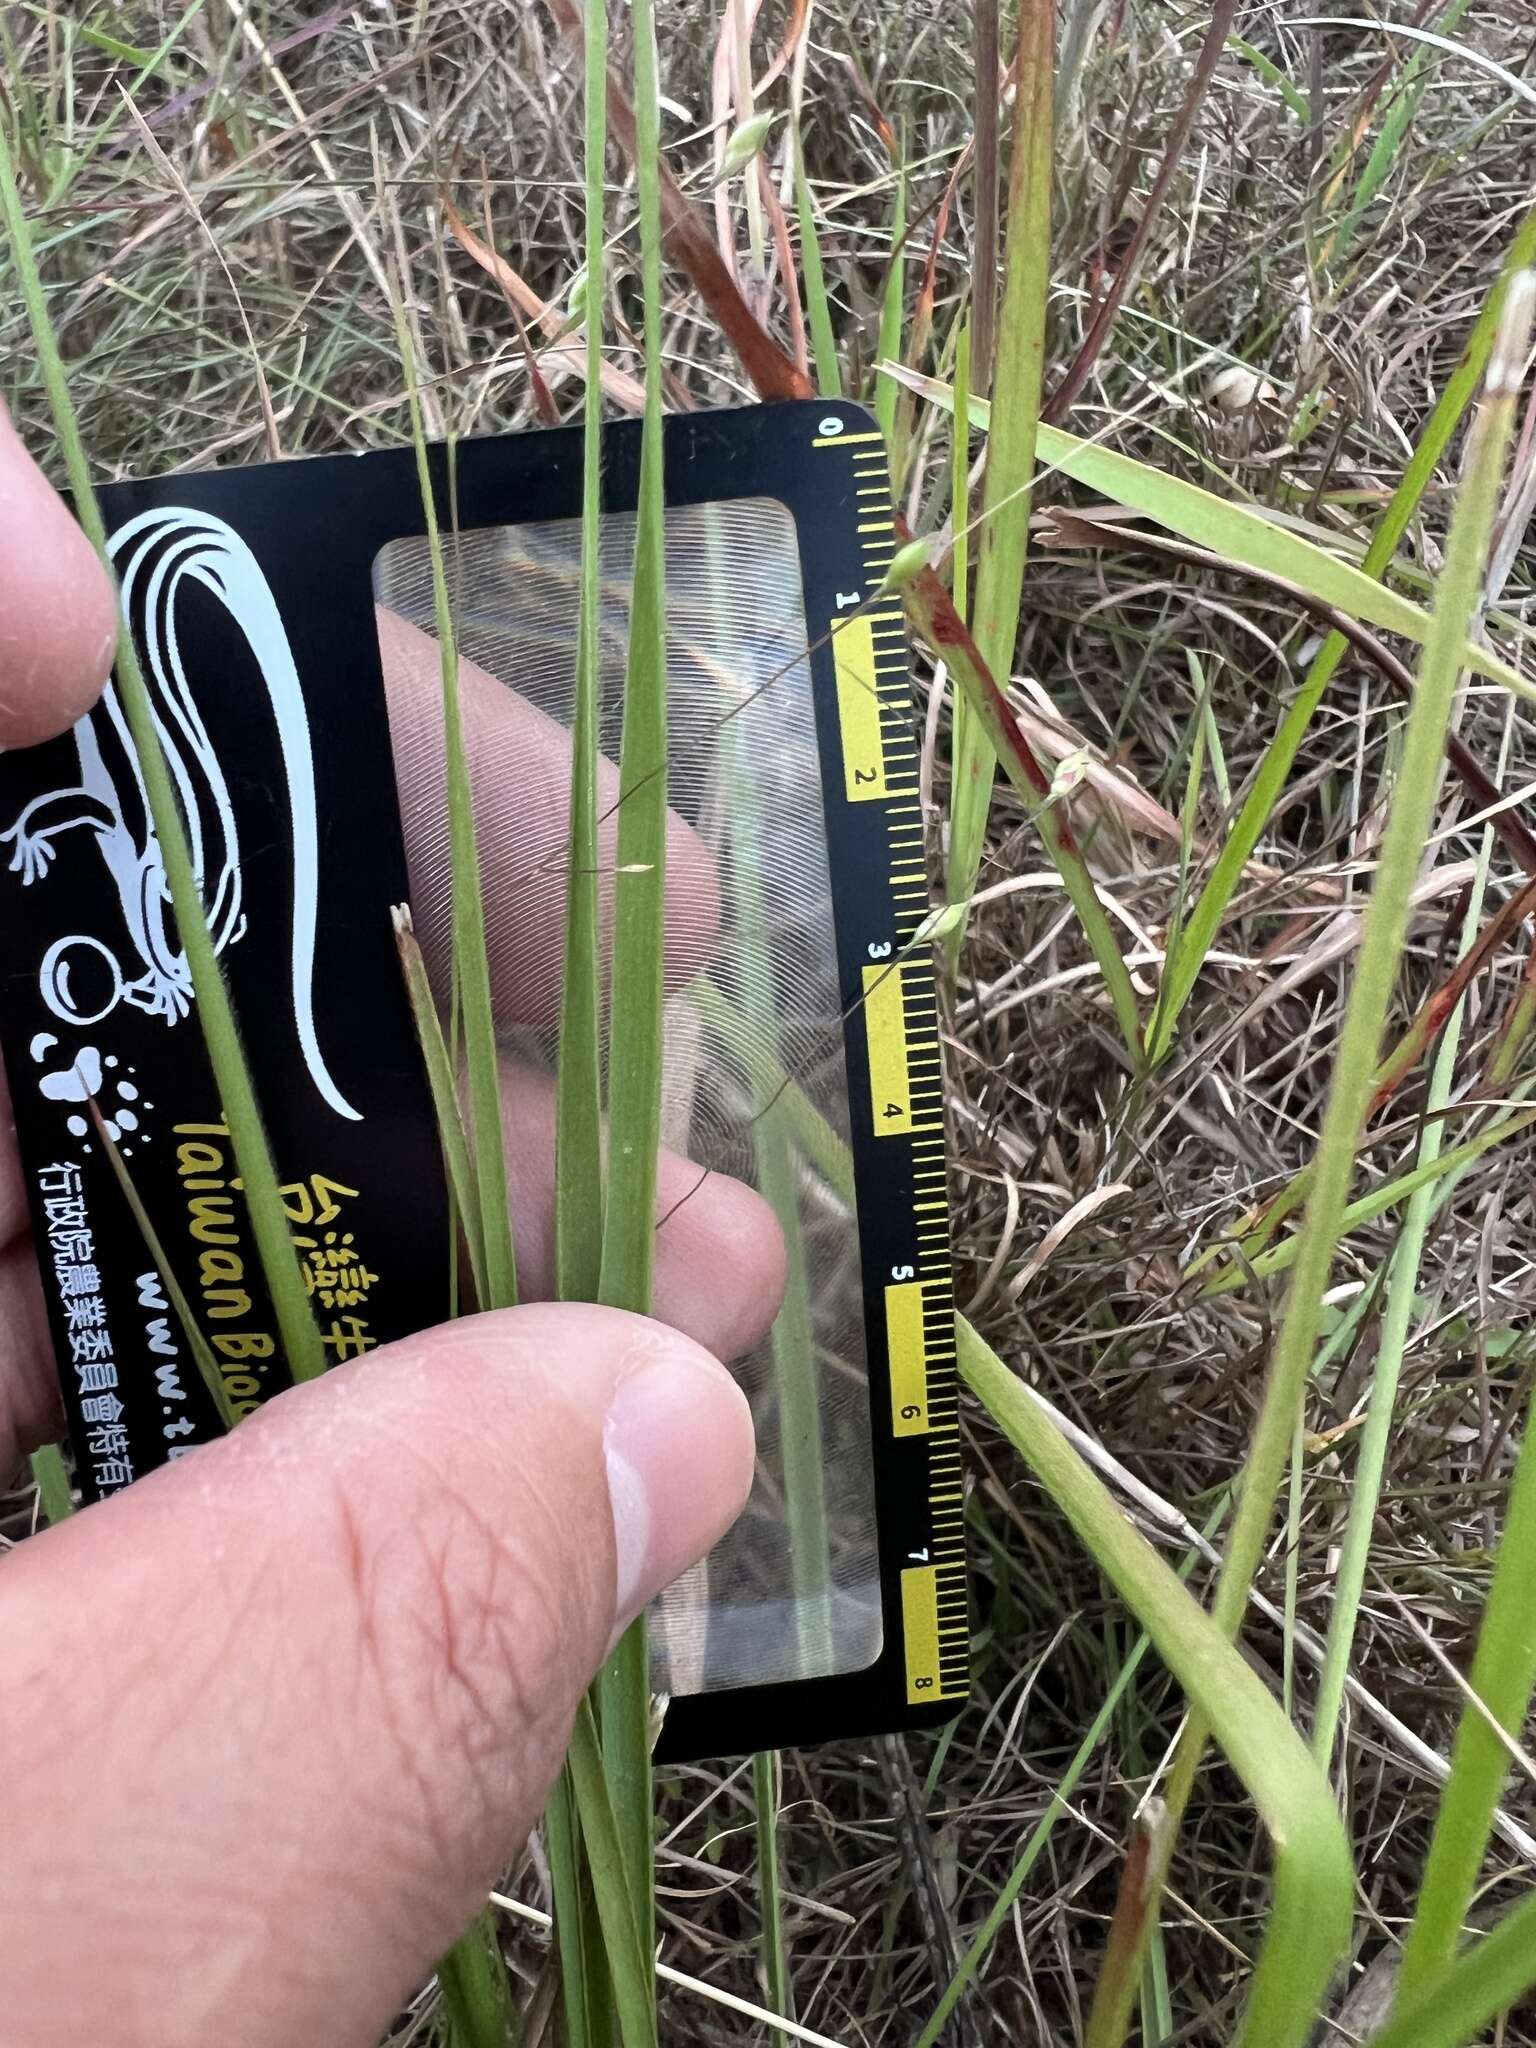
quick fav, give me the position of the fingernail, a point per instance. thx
(678, 1441)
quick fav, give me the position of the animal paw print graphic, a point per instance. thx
(94, 1077)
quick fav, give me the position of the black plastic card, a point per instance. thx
(284, 617)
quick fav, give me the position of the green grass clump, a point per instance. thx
(1210, 1259)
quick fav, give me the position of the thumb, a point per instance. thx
(275, 1718)
(58, 615)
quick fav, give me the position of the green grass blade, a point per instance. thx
(970, 754)
(472, 1003)
(1470, 1992)
(1402, 1284)
(567, 1884)
(1003, 543)
(579, 1080)
(1503, 1676)
(472, 1975)
(1376, 969)
(892, 306)
(202, 1352)
(628, 1952)
(960, 478)
(770, 1884)
(1001, 1909)
(635, 1029)
(51, 1477)
(1409, 91)
(818, 307)
(473, 1980)
(579, 1211)
(302, 1347)
(1243, 538)
(1271, 73)
(635, 1050)
(1264, 1265)
(1504, 1666)
(471, 962)
(1279, 758)
(1313, 1878)
(624, 1702)
(438, 1061)
(796, 1367)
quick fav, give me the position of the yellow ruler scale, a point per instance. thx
(907, 1344)
(901, 1148)
(858, 711)
(885, 1028)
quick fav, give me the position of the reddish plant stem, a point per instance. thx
(688, 244)
(1063, 397)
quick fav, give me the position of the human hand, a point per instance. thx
(274, 1718)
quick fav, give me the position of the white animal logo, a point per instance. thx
(82, 979)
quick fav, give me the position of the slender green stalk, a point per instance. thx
(1502, 1678)
(1504, 1666)
(1189, 821)
(584, 1975)
(579, 1955)
(471, 960)
(473, 1980)
(1294, 98)
(1438, 1172)
(51, 1477)
(579, 1085)
(1516, 1031)
(1470, 1991)
(302, 1346)
(440, 1066)
(1402, 1286)
(1376, 969)
(775, 1956)
(635, 1027)
(201, 1350)
(1295, 1490)
(635, 1031)
(1313, 1880)
(960, 475)
(628, 1952)
(1005, 499)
